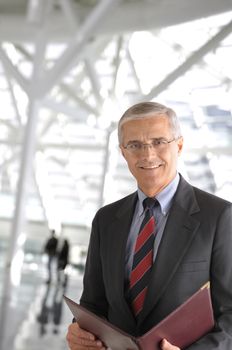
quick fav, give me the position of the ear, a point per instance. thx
(180, 143)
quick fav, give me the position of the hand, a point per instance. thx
(79, 339)
(165, 345)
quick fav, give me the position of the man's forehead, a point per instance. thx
(146, 125)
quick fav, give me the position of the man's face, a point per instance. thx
(153, 168)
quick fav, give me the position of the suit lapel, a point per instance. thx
(178, 234)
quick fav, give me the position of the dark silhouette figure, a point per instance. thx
(57, 251)
(51, 250)
(62, 261)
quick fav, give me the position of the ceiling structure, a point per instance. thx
(69, 68)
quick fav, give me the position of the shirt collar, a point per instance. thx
(164, 197)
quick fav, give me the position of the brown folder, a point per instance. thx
(185, 325)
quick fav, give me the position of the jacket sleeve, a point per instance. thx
(93, 295)
(221, 287)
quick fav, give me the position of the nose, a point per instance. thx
(147, 152)
(147, 146)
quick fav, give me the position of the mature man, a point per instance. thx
(191, 240)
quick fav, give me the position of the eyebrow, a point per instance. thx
(151, 139)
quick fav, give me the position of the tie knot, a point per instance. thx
(149, 203)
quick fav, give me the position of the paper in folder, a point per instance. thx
(185, 325)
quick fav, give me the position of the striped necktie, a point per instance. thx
(143, 258)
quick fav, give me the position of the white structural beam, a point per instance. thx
(26, 161)
(71, 55)
(128, 17)
(14, 100)
(193, 59)
(84, 105)
(13, 71)
(36, 11)
(117, 61)
(26, 166)
(70, 14)
(95, 82)
(29, 140)
(63, 107)
(46, 193)
(40, 50)
(132, 65)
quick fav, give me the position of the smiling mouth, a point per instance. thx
(151, 167)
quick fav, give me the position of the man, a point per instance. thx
(50, 249)
(62, 261)
(193, 239)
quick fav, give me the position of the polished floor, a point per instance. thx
(37, 317)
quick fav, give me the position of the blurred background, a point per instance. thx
(68, 70)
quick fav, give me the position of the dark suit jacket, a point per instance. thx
(196, 247)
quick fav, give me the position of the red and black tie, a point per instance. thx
(143, 258)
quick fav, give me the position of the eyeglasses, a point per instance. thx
(158, 145)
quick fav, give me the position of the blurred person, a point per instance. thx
(191, 240)
(62, 260)
(50, 249)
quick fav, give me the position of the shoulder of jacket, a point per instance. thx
(118, 203)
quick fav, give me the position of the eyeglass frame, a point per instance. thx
(154, 145)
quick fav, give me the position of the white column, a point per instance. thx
(26, 166)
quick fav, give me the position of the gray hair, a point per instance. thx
(146, 110)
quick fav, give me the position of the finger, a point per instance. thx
(165, 345)
(74, 330)
(79, 339)
(80, 347)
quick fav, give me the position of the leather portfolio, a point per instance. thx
(185, 325)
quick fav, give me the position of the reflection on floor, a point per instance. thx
(38, 317)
